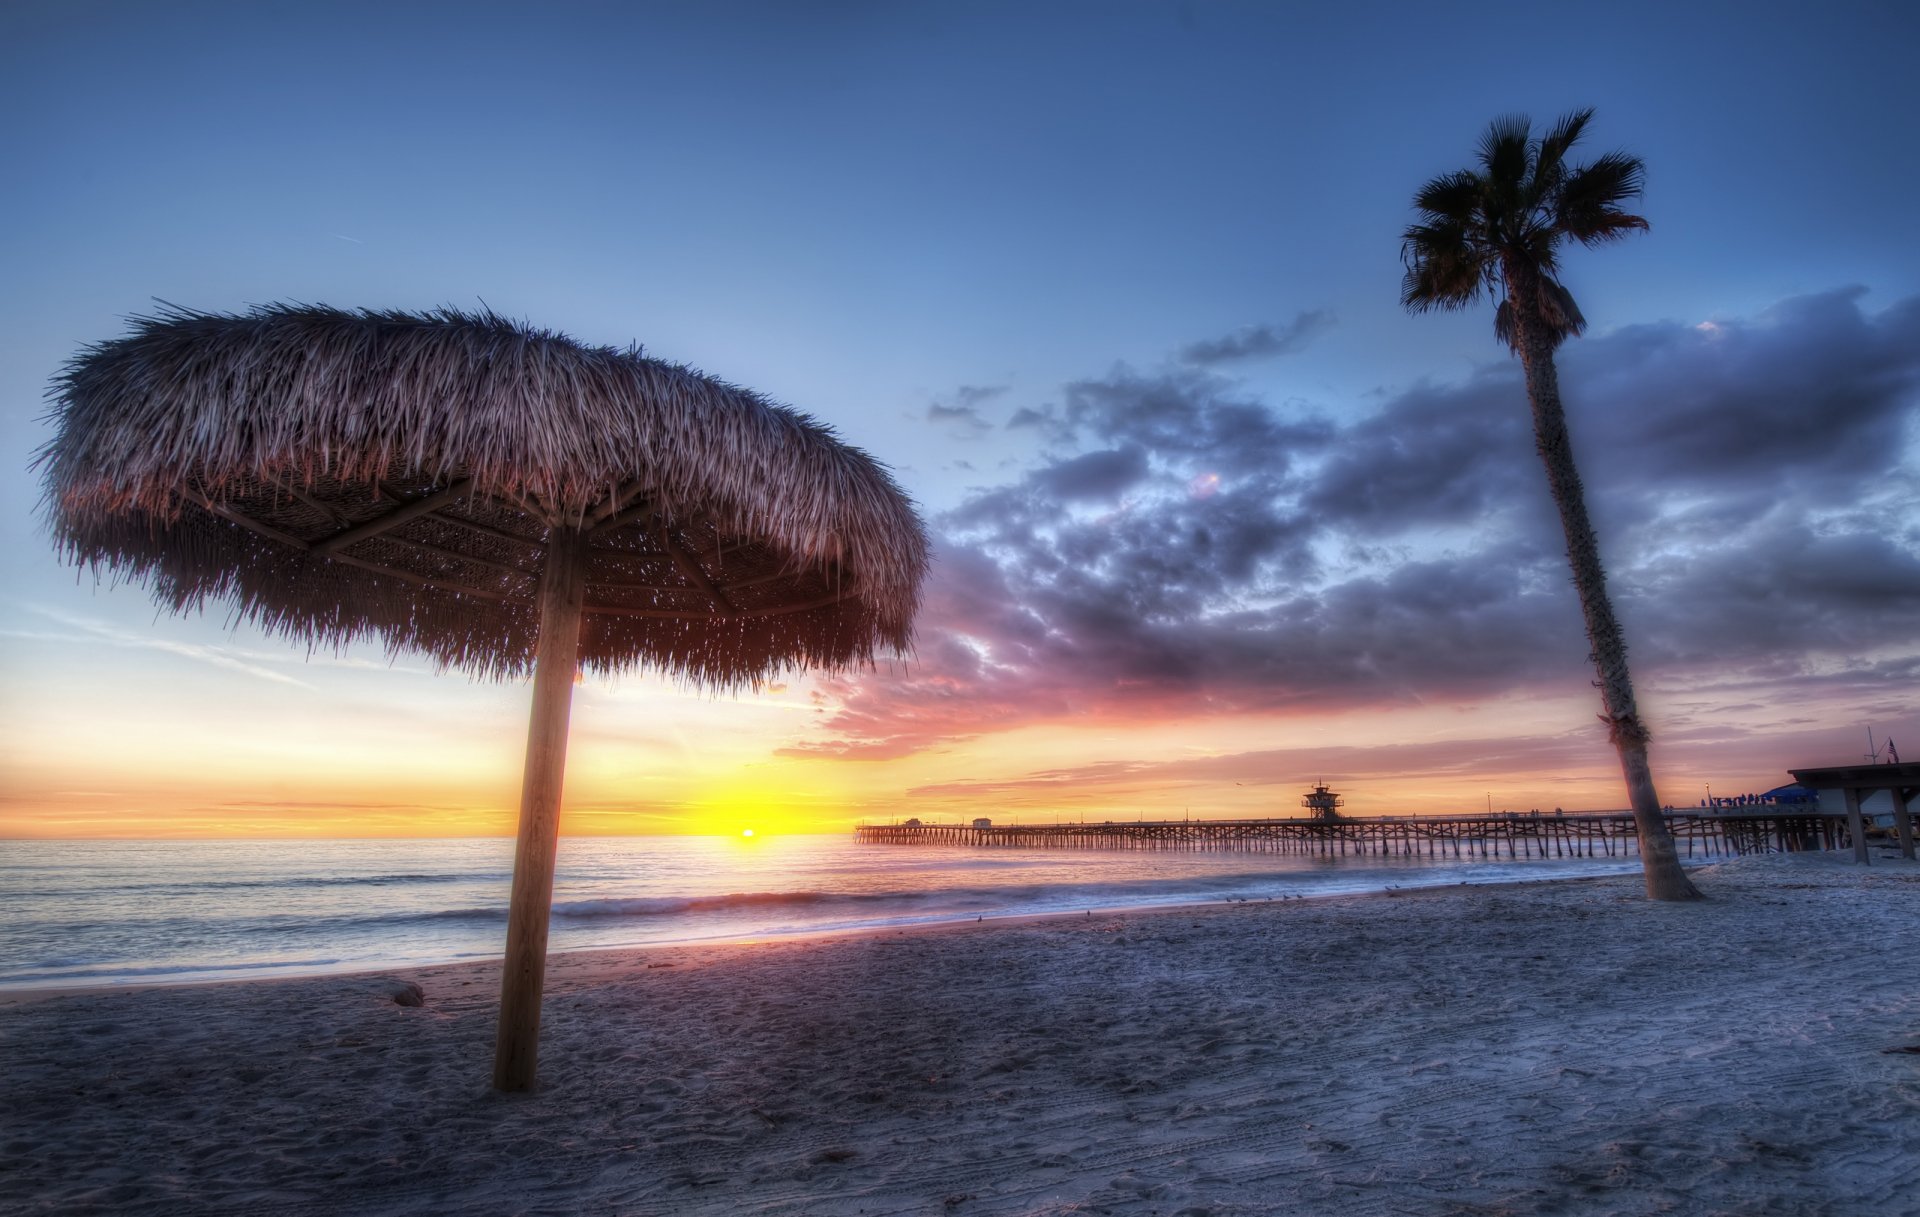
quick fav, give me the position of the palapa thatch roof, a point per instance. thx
(339, 475)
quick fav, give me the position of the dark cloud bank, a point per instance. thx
(1184, 549)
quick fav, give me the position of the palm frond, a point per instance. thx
(1551, 309)
(1444, 267)
(1609, 226)
(1451, 196)
(1557, 309)
(1505, 153)
(1422, 292)
(1588, 206)
(1540, 248)
(1503, 149)
(1550, 161)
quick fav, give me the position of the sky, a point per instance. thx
(1113, 288)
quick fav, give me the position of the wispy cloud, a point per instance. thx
(961, 416)
(1259, 341)
(253, 661)
(331, 805)
(1286, 767)
(93, 632)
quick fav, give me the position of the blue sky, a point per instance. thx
(917, 221)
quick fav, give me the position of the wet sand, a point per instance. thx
(1540, 1048)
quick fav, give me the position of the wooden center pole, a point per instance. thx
(557, 659)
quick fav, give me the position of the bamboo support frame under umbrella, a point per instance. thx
(503, 499)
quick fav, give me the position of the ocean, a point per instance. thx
(86, 913)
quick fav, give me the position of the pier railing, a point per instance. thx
(1509, 835)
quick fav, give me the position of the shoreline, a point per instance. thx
(1527, 1048)
(27, 994)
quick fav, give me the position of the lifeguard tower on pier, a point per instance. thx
(1321, 803)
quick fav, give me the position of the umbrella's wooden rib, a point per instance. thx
(691, 569)
(514, 502)
(635, 585)
(721, 549)
(625, 516)
(776, 610)
(293, 542)
(393, 519)
(616, 502)
(387, 490)
(763, 580)
(486, 530)
(643, 509)
(286, 486)
(246, 521)
(445, 585)
(503, 567)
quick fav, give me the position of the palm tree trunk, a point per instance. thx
(1658, 858)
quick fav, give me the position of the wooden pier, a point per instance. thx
(1505, 835)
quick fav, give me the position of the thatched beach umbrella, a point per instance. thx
(500, 498)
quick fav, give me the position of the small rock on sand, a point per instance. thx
(403, 992)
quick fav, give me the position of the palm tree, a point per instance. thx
(1497, 230)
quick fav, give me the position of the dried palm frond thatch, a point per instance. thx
(337, 475)
(499, 497)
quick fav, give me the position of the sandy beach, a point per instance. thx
(1540, 1048)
